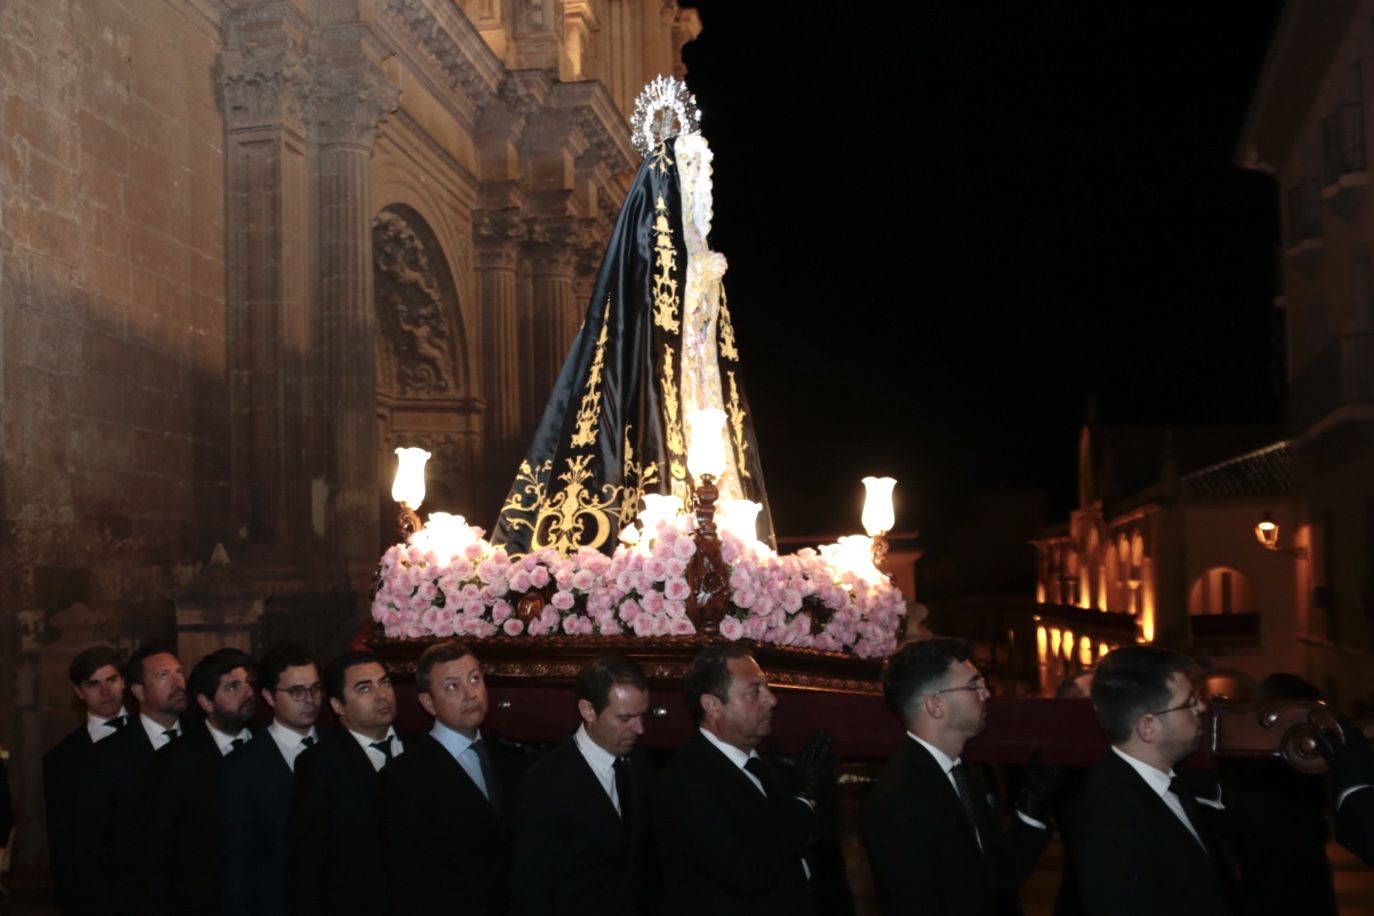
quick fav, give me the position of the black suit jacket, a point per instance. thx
(1134, 856)
(185, 852)
(573, 853)
(255, 786)
(447, 847)
(923, 851)
(65, 768)
(726, 848)
(1355, 824)
(111, 824)
(334, 842)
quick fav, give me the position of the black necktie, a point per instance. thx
(309, 741)
(964, 785)
(172, 735)
(385, 747)
(479, 747)
(621, 768)
(756, 766)
(117, 722)
(236, 744)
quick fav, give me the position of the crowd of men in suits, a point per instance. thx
(187, 807)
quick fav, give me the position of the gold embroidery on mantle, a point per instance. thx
(590, 409)
(632, 497)
(564, 520)
(526, 494)
(661, 160)
(727, 330)
(666, 300)
(674, 425)
(737, 427)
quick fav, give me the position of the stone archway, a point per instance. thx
(422, 353)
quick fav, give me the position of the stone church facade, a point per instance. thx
(247, 247)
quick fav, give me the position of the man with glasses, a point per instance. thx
(256, 784)
(185, 835)
(1143, 842)
(932, 838)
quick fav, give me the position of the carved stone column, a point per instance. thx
(348, 102)
(497, 255)
(263, 81)
(556, 316)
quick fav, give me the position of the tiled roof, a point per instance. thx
(1266, 471)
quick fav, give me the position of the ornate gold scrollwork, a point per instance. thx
(666, 299)
(737, 428)
(632, 496)
(676, 445)
(590, 409)
(661, 160)
(727, 330)
(526, 494)
(563, 521)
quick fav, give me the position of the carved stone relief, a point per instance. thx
(412, 314)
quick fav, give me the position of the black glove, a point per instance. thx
(1348, 755)
(812, 769)
(1038, 785)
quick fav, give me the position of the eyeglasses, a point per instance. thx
(978, 685)
(1191, 705)
(300, 691)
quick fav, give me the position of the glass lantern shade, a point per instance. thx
(706, 442)
(877, 514)
(408, 488)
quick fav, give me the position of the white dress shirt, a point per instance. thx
(460, 746)
(376, 757)
(155, 731)
(224, 742)
(602, 763)
(1159, 781)
(289, 742)
(96, 727)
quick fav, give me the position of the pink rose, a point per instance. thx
(500, 611)
(537, 627)
(629, 612)
(563, 579)
(676, 589)
(520, 582)
(609, 627)
(652, 602)
(474, 607)
(473, 551)
(643, 623)
(675, 608)
(444, 626)
(660, 625)
(583, 580)
(550, 617)
(487, 570)
(539, 577)
(562, 600)
(684, 548)
(681, 626)
(745, 598)
(513, 627)
(674, 568)
(730, 628)
(427, 591)
(655, 568)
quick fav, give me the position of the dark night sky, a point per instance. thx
(949, 226)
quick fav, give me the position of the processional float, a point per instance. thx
(638, 523)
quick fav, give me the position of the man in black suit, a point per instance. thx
(443, 803)
(113, 804)
(335, 858)
(581, 829)
(734, 838)
(933, 840)
(185, 835)
(99, 686)
(1352, 770)
(1144, 842)
(256, 784)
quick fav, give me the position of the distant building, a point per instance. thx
(1175, 558)
(1308, 127)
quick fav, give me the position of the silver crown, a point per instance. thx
(665, 108)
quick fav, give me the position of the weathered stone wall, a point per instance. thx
(112, 472)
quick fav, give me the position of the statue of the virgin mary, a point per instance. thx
(656, 345)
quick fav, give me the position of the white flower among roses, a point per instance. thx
(449, 581)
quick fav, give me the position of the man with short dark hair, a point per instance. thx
(734, 837)
(185, 833)
(581, 829)
(111, 835)
(932, 839)
(1144, 843)
(256, 784)
(444, 803)
(99, 687)
(335, 850)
